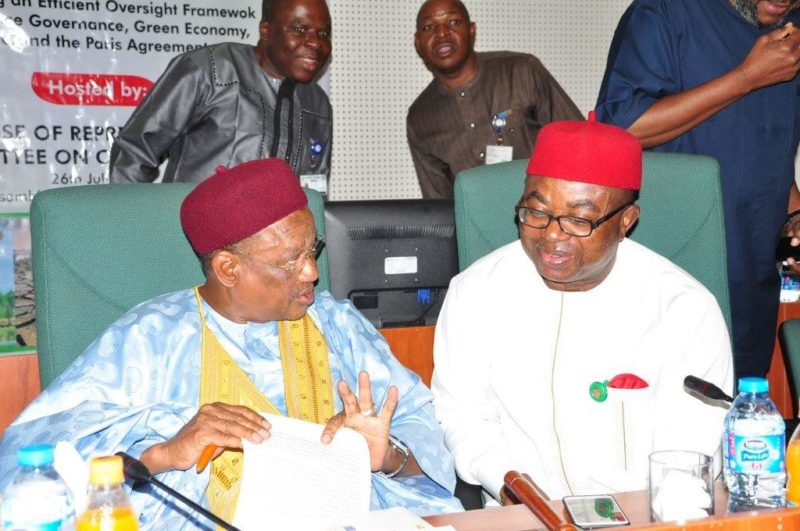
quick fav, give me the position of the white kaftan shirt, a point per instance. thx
(514, 361)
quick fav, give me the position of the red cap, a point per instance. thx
(589, 152)
(237, 202)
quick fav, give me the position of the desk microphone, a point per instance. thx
(137, 471)
(702, 389)
(697, 387)
(535, 500)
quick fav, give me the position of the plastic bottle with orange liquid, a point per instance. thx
(108, 506)
(793, 468)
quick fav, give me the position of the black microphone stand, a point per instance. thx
(137, 471)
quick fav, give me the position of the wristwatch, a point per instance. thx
(403, 449)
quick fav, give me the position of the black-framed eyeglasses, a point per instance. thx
(299, 262)
(572, 225)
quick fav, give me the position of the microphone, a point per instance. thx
(535, 500)
(137, 471)
(703, 389)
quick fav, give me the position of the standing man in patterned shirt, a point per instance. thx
(480, 108)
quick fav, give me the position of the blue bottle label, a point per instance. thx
(50, 526)
(752, 454)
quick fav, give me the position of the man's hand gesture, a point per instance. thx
(774, 58)
(360, 414)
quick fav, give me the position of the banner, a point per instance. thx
(72, 72)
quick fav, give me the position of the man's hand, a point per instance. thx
(219, 424)
(774, 58)
(507, 497)
(360, 414)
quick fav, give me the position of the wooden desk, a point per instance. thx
(635, 506)
(413, 347)
(20, 373)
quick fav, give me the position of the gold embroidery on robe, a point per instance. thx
(308, 392)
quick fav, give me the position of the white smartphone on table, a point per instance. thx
(592, 512)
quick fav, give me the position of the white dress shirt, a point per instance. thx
(514, 361)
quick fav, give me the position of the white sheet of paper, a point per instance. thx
(293, 481)
(395, 519)
(74, 471)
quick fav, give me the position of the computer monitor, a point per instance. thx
(393, 259)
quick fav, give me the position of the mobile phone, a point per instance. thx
(595, 511)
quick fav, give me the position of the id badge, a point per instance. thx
(316, 181)
(495, 154)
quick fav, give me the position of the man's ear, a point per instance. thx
(227, 268)
(417, 45)
(473, 31)
(628, 220)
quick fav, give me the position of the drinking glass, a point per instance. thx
(681, 485)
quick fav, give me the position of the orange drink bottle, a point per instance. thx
(793, 468)
(108, 507)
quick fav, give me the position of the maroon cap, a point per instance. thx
(589, 152)
(237, 202)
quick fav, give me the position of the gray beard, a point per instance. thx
(748, 10)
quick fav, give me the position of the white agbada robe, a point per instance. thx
(138, 383)
(514, 361)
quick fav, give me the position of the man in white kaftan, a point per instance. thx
(137, 388)
(531, 337)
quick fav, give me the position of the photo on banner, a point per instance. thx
(17, 316)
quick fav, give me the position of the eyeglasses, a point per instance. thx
(299, 262)
(574, 226)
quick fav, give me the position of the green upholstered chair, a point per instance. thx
(100, 250)
(681, 217)
(789, 338)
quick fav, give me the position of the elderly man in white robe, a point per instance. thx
(194, 369)
(562, 354)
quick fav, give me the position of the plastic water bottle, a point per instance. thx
(753, 449)
(37, 498)
(108, 507)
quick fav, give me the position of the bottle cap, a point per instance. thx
(753, 385)
(106, 470)
(35, 455)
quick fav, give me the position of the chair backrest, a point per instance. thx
(789, 337)
(100, 250)
(681, 219)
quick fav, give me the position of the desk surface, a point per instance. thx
(635, 506)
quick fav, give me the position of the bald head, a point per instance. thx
(458, 4)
